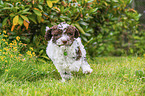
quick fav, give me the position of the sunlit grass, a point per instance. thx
(111, 76)
(21, 74)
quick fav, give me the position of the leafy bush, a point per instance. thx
(108, 27)
(117, 25)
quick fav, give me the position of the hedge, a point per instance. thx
(107, 27)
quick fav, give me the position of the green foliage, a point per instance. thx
(117, 25)
(19, 67)
(12, 62)
(108, 27)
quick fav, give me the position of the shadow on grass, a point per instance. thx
(54, 75)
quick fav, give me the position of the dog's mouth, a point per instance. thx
(64, 45)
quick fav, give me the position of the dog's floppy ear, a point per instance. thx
(77, 34)
(48, 33)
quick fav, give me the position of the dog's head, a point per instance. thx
(62, 34)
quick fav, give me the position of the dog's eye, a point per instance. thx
(69, 34)
(56, 34)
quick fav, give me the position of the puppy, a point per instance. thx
(66, 50)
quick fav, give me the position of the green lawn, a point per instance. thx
(112, 76)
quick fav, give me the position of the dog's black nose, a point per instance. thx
(64, 41)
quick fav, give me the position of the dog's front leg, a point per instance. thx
(65, 75)
(85, 66)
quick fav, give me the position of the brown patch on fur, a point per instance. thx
(53, 31)
(48, 34)
(79, 54)
(72, 32)
(56, 34)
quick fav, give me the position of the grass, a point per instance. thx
(112, 76)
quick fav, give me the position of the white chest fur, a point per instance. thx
(64, 56)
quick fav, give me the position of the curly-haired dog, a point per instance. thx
(66, 50)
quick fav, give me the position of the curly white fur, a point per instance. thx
(66, 64)
(65, 57)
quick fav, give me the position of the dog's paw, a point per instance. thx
(66, 77)
(86, 71)
(63, 80)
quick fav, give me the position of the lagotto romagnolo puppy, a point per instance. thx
(66, 50)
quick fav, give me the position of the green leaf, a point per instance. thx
(33, 18)
(46, 57)
(24, 17)
(40, 7)
(65, 10)
(40, 52)
(38, 13)
(39, 19)
(20, 21)
(76, 16)
(7, 8)
(49, 3)
(130, 1)
(4, 21)
(85, 39)
(1, 2)
(26, 10)
(18, 3)
(115, 0)
(41, 60)
(27, 13)
(54, 1)
(10, 4)
(108, 0)
(84, 23)
(94, 10)
(80, 28)
(12, 15)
